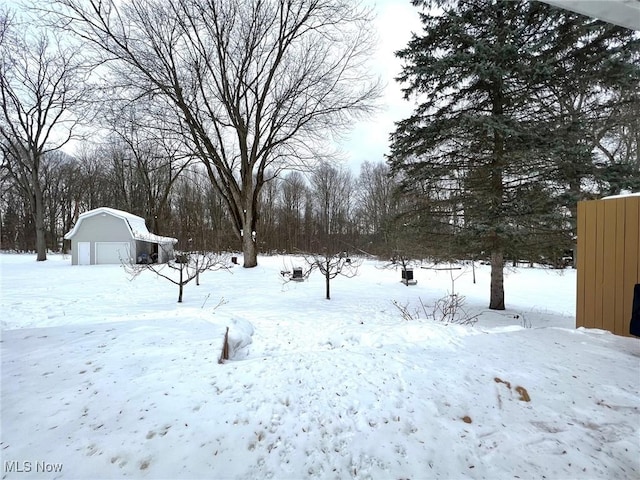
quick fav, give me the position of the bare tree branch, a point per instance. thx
(256, 84)
(43, 89)
(330, 265)
(187, 267)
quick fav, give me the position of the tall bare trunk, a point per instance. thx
(497, 281)
(496, 300)
(249, 250)
(38, 218)
(328, 282)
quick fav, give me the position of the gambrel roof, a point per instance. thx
(136, 225)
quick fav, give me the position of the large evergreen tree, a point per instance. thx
(482, 154)
(592, 98)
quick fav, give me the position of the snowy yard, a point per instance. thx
(104, 377)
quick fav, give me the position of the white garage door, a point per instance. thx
(112, 252)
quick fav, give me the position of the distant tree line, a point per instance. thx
(330, 206)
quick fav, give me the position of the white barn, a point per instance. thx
(109, 236)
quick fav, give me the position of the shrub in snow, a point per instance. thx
(448, 309)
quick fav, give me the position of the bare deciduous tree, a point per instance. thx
(147, 156)
(406, 263)
(376, 205)
(292, 198)
(188, 266)
(42, 84)
(330, 266)
(59, 180)
(332, 190)
(255, 85)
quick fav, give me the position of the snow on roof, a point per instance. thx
(135, 224)
(622, 195)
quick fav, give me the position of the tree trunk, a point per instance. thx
(496, 300)
(249, 250)
(327, 282)
(38, 218)
(181, 284)
(248, 219)
(497, 281)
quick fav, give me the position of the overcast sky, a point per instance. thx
(369, 141)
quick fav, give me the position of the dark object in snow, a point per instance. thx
(234, 260)
(297, 275)
(634, 327)
(407, 276)
(224, 355)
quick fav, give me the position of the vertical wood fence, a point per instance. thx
(608, 262)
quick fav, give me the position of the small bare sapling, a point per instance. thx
(330, 266)
(406, 263)
(181, 270)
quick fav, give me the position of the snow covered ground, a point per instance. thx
(108, 377)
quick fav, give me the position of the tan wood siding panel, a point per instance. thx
(590, 265)
(609, 266)
(598, 291)
(608, 262)
(580, 264)
(620, 262)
